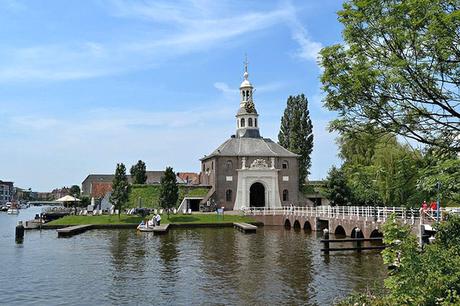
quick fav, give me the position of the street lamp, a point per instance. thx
(438, 203)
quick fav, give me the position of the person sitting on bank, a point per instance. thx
(158, 219)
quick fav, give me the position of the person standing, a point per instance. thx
(434, 208)
(158, 219)
(424, 206)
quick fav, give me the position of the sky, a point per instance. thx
(87, 84)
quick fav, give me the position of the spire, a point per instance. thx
(247, 125)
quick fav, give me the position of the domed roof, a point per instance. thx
(245, 83)
(251, 147)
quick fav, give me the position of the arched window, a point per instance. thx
(285, 164)
(229, 165)
(242, 123)
(250, 122)
(247, 94)
(285, 195)
(228, 195)
(255, 122)
(212, 165)
(244, 95)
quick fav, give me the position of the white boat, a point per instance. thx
(146, 227)
(13, 211)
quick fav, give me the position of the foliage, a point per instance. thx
(84, 201)
(428, 276)
(75, 190)
(169, 191)
(377, 170)
(423, 277)
(337, 191)
(446, 172)
(139, 173)
(120, 188)
(150, 194)
(398, 70)
(296, 133)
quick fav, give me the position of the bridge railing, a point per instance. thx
(350, 212)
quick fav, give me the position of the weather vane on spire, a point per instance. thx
(245, 65)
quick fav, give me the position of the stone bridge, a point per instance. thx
(355, 222)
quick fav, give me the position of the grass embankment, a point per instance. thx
(129, 219)
(149, 195)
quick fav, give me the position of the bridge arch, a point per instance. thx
(376, 234)
(357, 233)
(287, 224)
(340, 231)
(296, 225)
(307, 226)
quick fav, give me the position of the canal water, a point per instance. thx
(203, 266)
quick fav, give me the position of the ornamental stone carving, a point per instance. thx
(259, 164)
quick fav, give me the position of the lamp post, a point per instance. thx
(438, 202)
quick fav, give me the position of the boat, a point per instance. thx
(12, 208)
(12, 211)
(146, 227)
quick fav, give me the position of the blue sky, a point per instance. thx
(87, 84)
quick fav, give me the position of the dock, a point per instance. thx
(73, 230)
(245, 227)
(161, 229)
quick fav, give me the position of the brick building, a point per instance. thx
(248, 170)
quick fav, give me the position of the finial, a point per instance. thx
(246, 74)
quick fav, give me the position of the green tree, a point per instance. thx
(337, 191)
(120, 188)
(296, 133)
(139, 173)
(398, 69)
(75, 190)
(447, 173)
(169, 190)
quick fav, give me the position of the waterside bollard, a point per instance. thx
(326, 240)
(358, 243)
(19, 232)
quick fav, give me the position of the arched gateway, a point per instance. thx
(257, 195)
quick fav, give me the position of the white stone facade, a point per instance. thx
(259, 172)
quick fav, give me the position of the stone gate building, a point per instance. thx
(248, 170)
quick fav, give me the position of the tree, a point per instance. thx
(120, 188)
(169, 191)
(75, 190)
(337, 190)
(139, 173)
(398, 69)
(296, 133)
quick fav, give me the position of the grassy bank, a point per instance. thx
(129, 219)
(149, 195)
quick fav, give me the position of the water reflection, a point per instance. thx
(184, 267)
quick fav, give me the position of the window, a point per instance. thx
(250, 122)
(285, 195)
(285, 164)
(212, 165)
(228, 195)
(229, 165)
(242, 122)
(255, 122)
